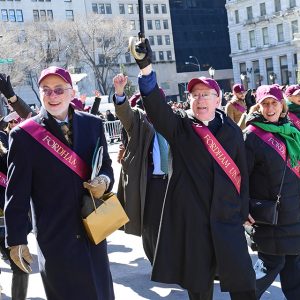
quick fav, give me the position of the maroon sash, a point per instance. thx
(3, 180)
(276, 144)
(295, 120)
(239, 107)
(219, 154)
(66, 155)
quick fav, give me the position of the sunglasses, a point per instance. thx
(57, 91)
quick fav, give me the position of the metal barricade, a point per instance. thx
(112, 130)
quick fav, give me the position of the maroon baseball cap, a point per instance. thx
(269, 91)
(209, 82)
(292, 90)
(62, 73)
(238, 88)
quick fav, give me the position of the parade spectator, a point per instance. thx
(292, 94)
(236, 107)
(250, 98)
(145, 178)
(205, 204)
(53, 143)
(271, 143)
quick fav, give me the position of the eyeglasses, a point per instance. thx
(205, 96)
(13, 122)
(56, 91)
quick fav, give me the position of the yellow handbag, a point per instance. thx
(108, 217)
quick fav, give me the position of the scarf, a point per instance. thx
(291, 136)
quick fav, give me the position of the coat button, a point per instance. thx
(78, 236)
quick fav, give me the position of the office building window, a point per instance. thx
(292, 3)
(169, 55)
(262, 7)
(43, 15)
(294, 27)
(108, 9)
(151, 40)
(147, 9)
(94, 8)
(249, 13)
(239, 41)
(280, 36)
(149, 24)
(159, 40)
(101, 8)
(36, 15)
(157, 24)
(12, 15)
(265, 35)
(4, 15)
(153, 56)
(161, 55)
(122, 9)
(277, 4)
(132, 25)
(155, 8)
(19, 15)
(164, 8)
(50, 15)
(128, 57)
(252, 39)
(130, 8)
(167, 40)
(237, 16)
(269, 69)
(166, 24)
(70, 15)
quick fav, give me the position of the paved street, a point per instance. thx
(130, 269)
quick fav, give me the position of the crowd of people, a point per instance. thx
(190, 179)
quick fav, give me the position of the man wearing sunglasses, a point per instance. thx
(57, 148)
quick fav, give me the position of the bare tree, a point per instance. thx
(98, 43)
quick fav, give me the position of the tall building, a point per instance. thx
(201, 38)
(265, 43)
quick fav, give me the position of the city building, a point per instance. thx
(201, 39)
(157, 24)
(264, 38)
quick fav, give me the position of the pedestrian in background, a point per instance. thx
(292, 94)
(144, 173)
(205, 204)
(52, 170)
(271, 143)
(236, 108)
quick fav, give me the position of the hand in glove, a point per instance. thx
(144, 47)
(21, 257)
(5, 86)
(97, 186)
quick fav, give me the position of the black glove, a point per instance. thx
(144, 47)
(5, 86)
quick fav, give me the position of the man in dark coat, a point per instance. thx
(72, 267)
(203, 214)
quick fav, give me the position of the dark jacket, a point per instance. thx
(72, 267)
(132, 192)
(266, 167)
(201, 224)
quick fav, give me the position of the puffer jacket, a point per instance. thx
(266, 167)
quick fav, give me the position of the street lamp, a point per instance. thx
(211, 72)
(190, 63)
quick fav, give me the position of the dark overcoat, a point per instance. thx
(265, 172)
(203, 215)
(133, 177)
(71, 266)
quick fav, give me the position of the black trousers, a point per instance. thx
(287, 266)
(156, 188)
